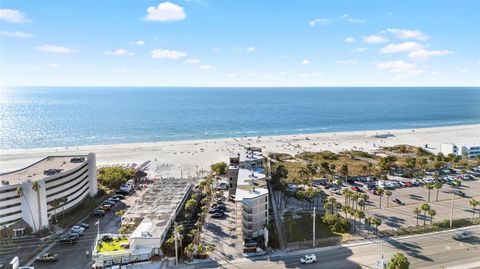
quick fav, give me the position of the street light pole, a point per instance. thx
(314, 211)
(451, 212)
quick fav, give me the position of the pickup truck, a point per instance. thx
(47, 257)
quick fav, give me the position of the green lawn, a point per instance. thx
(114, 245)
(301, 228)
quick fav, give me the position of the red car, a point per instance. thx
(374, 192)
(408, 183)
(355, 189)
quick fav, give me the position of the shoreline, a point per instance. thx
(173, 158)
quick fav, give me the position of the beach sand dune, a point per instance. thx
(187, 158)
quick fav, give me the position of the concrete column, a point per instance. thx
(92, 173)
(34, 205)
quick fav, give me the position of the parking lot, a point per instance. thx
(221, 233)
(74, 256)
(396, 216)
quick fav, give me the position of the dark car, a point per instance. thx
(98, 213)
(70, 238)
(217, 215)
(213, 210)
(397, 201)
(357, 189)
(119, 196)
(459, 193)
(109, 202)
(220, 207)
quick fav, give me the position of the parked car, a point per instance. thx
(357, 189)
(47, 257)
(223, 186)
(113, 199)
(308, 259)
(397, 201)
(77, 230)
(463, 235)
(217, 215)
(109, 202)
(214, 210)
(119, 196)
(69, 238)
(106, 207)
(98, 213)
(84, 225)
(250, 243)
(459, 193)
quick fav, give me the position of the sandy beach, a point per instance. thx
(187, 158)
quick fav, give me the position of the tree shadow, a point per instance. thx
(411, 249)
(416, 197)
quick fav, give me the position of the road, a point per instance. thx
(426, 251)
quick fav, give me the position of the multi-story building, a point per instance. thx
(248, 187)
(470, 152)
(35, 193)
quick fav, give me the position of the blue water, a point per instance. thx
(70, 116)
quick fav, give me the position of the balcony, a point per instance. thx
(247, 210)
(247, 217)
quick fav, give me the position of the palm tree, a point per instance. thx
(388, 194)
(36, 188)
(432, 214)
(359, 215)
(346, 210)
(364, 197)
(344, 171)
(398, 261)
(376, 222)
(417, 212)
(368, 222)
(55, 204)
(429, 187)
(425, 207)
(20, 193)
(304, 173)
(380, 193)
(474, 204)
(347, 194)
(438, 185)
(355, 197)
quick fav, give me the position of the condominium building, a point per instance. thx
(467, 151)
(33, 194)
(248, 186)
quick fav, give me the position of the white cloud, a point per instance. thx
(401, 47)
(206, 66)
(408, 34)
(319, 21)
(192, 61)
(305, 61)
(167, 54)
(350, 39)
(56, 49)
(251, 49)
(423, 54)
(231, 75)
(399, 67)
(16, 34)
(346, 62)
(118, 52)
(166, 11)
(54, 65)
(352, 20)
(138, 43)
(374, 39)
(360, 49)
(13, 16)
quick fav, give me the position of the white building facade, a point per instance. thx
(29, 193)
(468, 151)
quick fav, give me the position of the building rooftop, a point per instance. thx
(47, 167)
(248, 155)
(241, 194)
(157, 207)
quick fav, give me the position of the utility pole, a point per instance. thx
(176, 243)
(314, 215)
(451, 212)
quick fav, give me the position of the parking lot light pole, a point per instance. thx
(176, 244)
(451, 212)
(314, 211)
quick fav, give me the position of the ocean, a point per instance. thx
(35, 117)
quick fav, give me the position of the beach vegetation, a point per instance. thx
(114, 177)
(398, 261)
(219, 168)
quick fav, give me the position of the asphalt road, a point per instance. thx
(423, 251)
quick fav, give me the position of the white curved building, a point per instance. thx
(64, 179)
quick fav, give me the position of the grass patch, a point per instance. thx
(435, 227)
(301, 228)
(114, 245)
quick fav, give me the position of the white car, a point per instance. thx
(463, 235)
(308, 259)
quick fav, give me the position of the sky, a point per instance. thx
(240, 43)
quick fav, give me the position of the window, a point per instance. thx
(231, 185)
(265, 208)
(266, 199)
